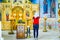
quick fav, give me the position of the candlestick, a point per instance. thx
(45, 30)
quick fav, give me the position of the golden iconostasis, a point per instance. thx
(19, 12)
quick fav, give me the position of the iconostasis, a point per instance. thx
(22, 12)
(17, 11)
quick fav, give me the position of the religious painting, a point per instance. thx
(27, 13)
(20, 31)
(0, 16)
(52, 8)
(7, 6)
(45, 6)
(7, 15)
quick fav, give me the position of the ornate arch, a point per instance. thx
(17, 10)
(17, 7)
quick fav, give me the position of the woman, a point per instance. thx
(36, 24)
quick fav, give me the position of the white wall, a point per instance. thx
(52, 21)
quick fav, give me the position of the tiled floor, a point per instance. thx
(50, 35)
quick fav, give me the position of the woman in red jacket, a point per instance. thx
(36, 24)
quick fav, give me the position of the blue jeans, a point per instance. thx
(36, 28)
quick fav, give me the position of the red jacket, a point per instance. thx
(36, 20)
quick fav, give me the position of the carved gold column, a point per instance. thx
(11, 23)
(3, 18)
